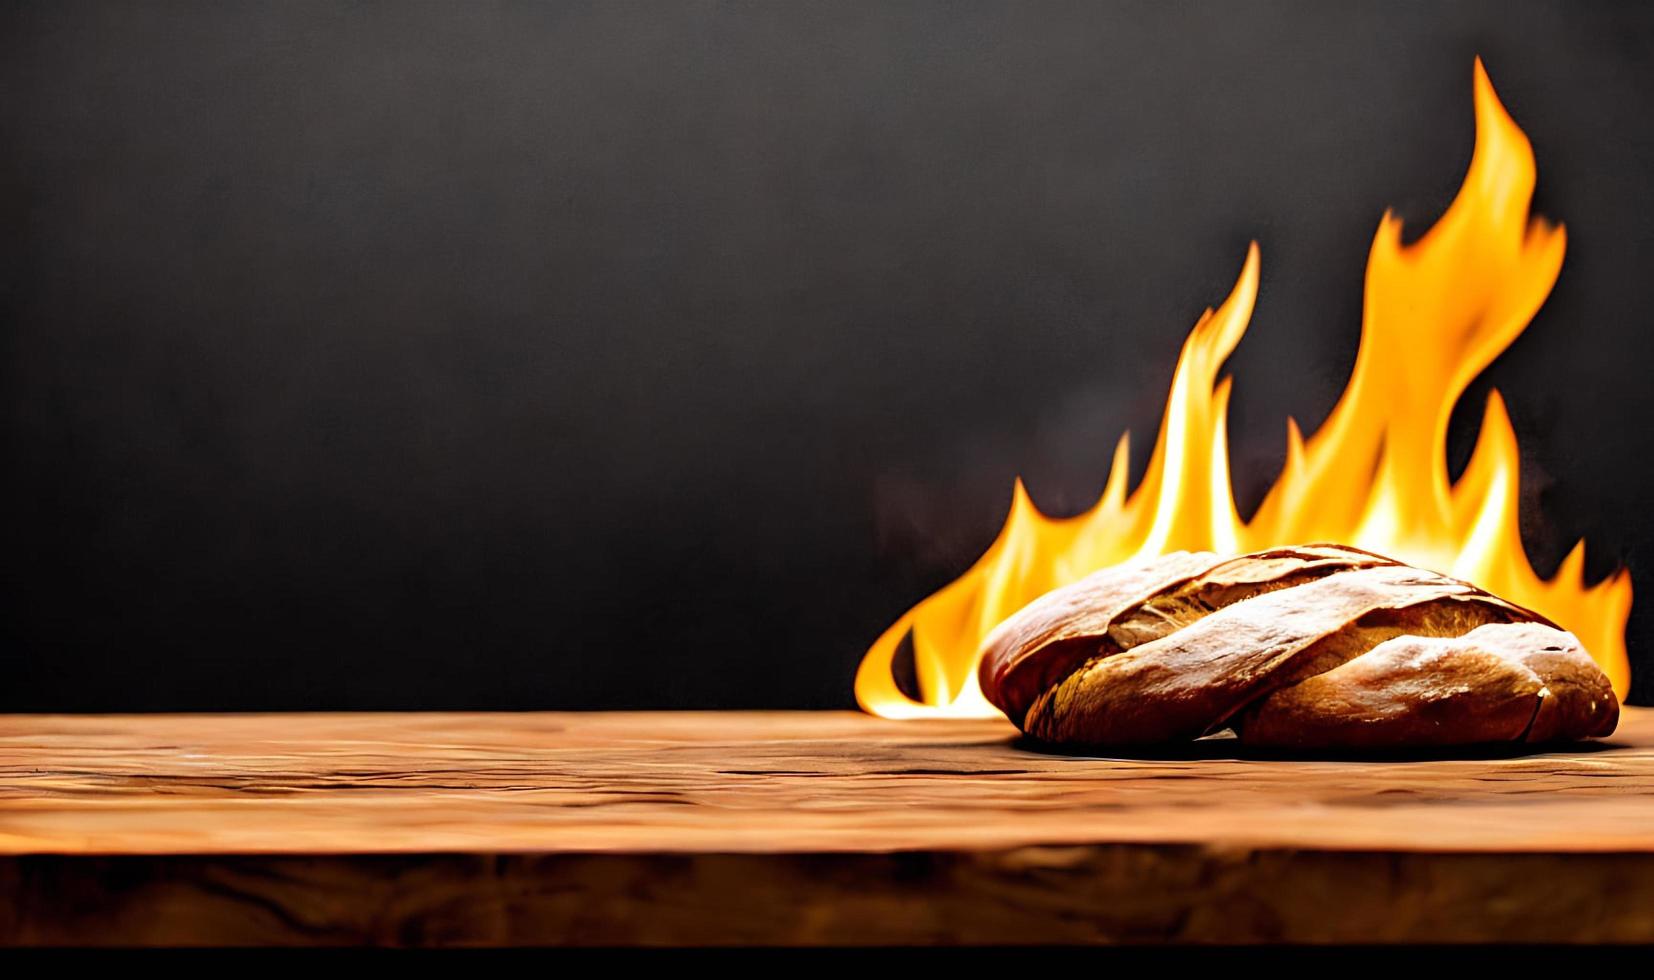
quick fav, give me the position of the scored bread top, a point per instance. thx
(1500, 682)
(1178, 646)
(1120, 607)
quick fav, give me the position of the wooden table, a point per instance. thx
(789, 828)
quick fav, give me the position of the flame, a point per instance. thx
(1437, 312)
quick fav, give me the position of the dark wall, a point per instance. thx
(597, 355)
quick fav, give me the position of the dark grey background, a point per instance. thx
(596, 355)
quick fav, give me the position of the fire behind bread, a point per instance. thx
(1317, 646)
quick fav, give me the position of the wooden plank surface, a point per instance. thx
(792, 828)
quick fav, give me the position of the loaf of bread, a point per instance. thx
(1310, 647)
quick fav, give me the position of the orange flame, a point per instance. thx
(1437, 312)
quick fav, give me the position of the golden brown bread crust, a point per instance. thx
(1122, 607)
(1063, 629)
(1497, 683)
(1315, 646)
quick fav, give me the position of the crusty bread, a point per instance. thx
(1318, 646)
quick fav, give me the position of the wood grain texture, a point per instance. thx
(686, 828)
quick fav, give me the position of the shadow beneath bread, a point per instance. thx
(1224, 746)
